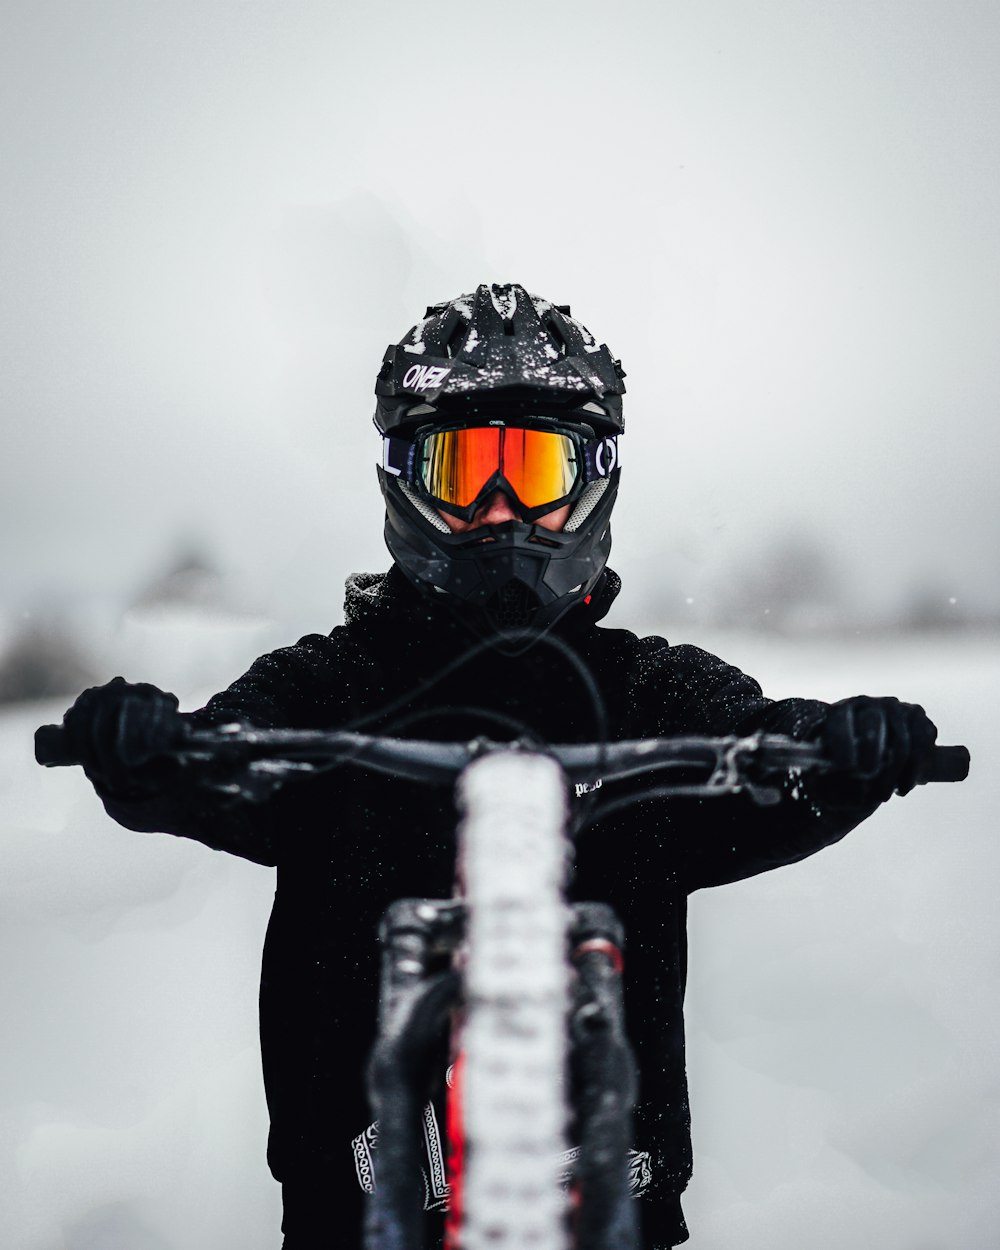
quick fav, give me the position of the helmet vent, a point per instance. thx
(586, 504)
(556, 335)
(423, 507)
(512, 607)
(452, 331)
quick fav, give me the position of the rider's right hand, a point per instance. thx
(115, 731)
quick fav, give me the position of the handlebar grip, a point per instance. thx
(945, 764)
(52, 747)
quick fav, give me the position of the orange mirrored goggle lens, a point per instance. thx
(540, 466)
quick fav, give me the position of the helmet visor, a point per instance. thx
(457, 467)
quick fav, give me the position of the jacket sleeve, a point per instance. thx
(299, 687)
(687, 690)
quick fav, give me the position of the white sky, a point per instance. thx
(782, 216)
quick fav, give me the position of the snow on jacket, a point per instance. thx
(349, 842)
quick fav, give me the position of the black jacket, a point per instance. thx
(349, 842)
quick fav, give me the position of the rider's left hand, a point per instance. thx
(876, 746)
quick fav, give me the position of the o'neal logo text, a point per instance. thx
(423, 377)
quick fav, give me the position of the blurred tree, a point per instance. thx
(788, 583)
(931, 607)
(41, 661)
(190, 578)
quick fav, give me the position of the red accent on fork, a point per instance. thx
(604, 947)
(455, 1133)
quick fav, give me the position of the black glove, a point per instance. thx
(876, 746)
(118, 731)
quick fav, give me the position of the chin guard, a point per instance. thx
(509, 582)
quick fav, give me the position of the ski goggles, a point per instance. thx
(458, 467)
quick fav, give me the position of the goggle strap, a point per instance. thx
(399, 457)
(600, 457)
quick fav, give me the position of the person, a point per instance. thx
(501, 424)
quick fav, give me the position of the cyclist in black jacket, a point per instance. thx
(501, 419)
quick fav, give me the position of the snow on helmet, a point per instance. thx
(502, 360)
(497, 347)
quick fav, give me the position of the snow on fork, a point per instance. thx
(514, 857)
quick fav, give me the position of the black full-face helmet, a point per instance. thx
(500, 391)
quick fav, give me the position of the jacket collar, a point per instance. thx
(388, 604)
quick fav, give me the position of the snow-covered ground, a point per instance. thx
(843, 1013)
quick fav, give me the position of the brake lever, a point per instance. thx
(258, 779)
(726, 774)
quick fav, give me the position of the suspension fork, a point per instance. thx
(513, 856)
(417, 992)
(604, 1081)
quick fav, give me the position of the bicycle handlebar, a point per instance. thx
(438, 762)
